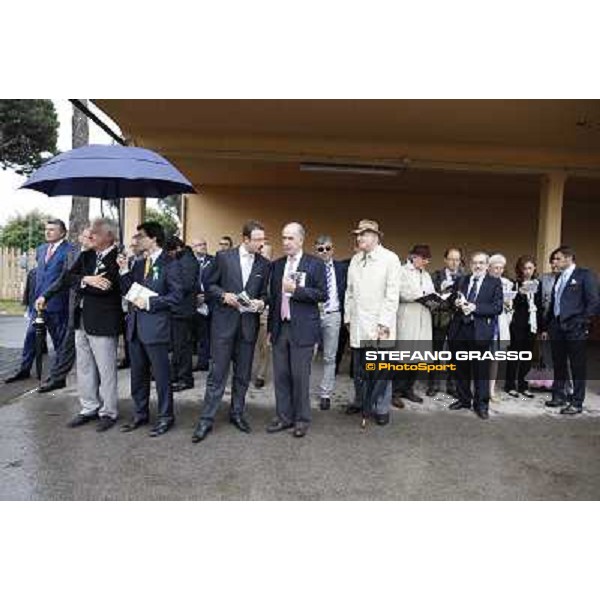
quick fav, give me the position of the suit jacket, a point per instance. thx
(488, 305)
(304, 303)
(225, 275)
(48, 273)
(97, 312)
(153, 326)
(74, 296)
(580, 300)
(189, 271)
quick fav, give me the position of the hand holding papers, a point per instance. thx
(247, 304)
(140, 296)
(435, 301)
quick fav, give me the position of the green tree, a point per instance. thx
(165, 218)
(28, 132)
(24, 231)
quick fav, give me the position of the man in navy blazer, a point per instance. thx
(149, 326)
(479, 302)
(51, 258)
(332, 315)
(235, 325)
(575, 300)
(298, 284)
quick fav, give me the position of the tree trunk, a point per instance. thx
(80, 206)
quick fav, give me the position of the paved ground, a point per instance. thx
(524, 452)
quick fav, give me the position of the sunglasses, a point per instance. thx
(322, 249)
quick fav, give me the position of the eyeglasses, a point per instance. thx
(322, 249)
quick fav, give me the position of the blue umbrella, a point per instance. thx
(109, 172)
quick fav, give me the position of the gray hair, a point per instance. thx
(109, 225)
(299, 228)
(497, 259)
(480, 253)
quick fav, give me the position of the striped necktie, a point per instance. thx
(329, 274)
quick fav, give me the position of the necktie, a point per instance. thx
(147, 267)
(473, 291)
(49, 252)
(560, 286)
(98, 262)
(329, 274)
(285, 299)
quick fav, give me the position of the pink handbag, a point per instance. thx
(540, 377)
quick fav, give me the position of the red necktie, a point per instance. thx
(49, 252)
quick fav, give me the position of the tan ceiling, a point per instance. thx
(210, 140)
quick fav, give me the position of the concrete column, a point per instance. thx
(550, 216)
(133, 215)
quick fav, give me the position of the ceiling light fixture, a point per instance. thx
(358, 169)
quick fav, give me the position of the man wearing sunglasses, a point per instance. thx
(332, 315)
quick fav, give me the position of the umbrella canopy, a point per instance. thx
(109, 172)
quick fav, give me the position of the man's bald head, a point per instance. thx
(292, 238)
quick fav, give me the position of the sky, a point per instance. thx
(15, 201)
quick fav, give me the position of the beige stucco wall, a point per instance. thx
(494, 224)
(469, 222)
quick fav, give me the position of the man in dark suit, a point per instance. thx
(575, 300)
(97, 323)
(444, 281)
(235, 325)
(183, 315)
(479, 302)
(332, 315)
(298, 284)
(149, 326)
(202, 317)
(65, 356)
(50, 258)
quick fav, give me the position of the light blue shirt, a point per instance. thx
(560, 288)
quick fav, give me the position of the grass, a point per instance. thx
(11, 307)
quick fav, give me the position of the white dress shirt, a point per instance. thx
(246, 263)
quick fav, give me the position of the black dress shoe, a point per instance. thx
(259, 382)
(202, 430)
(133, 425)
(277, 426)
(458, 405)
(17, 376)
(353, 409)
(556, 402)
(325, 404)
(572, 409)
(412, 397)
(240, 423)
(382, 419)
(528, 394)
(300, 430)
(481, 412)
(160, 428)
(105, 424)
(49, 386)
(80, 420)
(179, 386)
